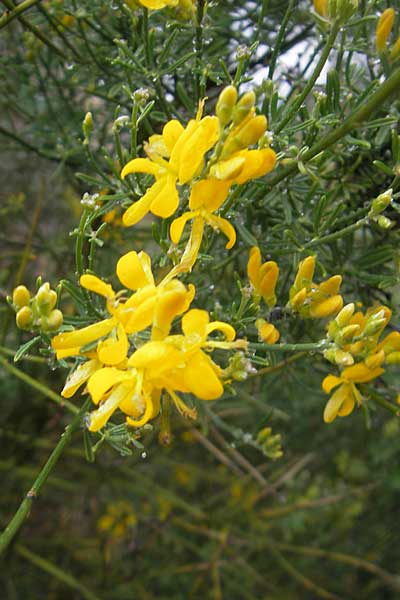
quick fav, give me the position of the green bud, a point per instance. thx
(344, 316)
(381, 202)
(45, 298)
(24, 318)
(21, 296)
(346, 334)
(53, 321)
(384, 222)
(87, 126)
(226, 103)
(342, 10)
(243, 107)
(373, 326)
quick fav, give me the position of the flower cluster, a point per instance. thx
(355, 346)
(182, 156)
(37, 312)
(313, 300)
(131, 357)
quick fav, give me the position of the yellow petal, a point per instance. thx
(139, 209)
(191, 155)
(67, 352)
(228, 170)
(326, 308)
(253, 266)
(173, 301)
(166, 200)
(305, 272)
(336, 401)
(298, 299)
(79, 376)
(219, 223)
(134, 270)
(152, 353)
(189, 413)
(269, 274)
(99, 417)
(330, 382)
(331, 286)
(112, 352)
(142, 316)
(147, 415)
(178, 225)
(104, 379)
(228, 331)
(257, 163)
(383, 28)
(208, 193)
(360, 373)
(171, 133)
(81, 337)
(267, 332)
(195, 322)
(94, 284)
(140, 165)
(201, 379)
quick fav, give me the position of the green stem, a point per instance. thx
(55, 572)
(7, 17)
(294, 107)
(311, 347)
(199, 48)
(40, 387)
(330, 237)
(279, 39)
(375, 101)
(23, 511)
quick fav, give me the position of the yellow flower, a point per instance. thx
(207, 195)
(342, 402)
(267, 332)
(383, 29)
(151, 304)
(263, 277)
(175, 156)
(311, 300)
(118, 520)
(176, 364)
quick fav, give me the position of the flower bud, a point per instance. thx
(346, 335)
(24, 318)
(342, 10)
(321, 7)
(383, 29)
(267, 332)
(54, 320)
(243, 107)
(326, 308)
(374, 325)
(343, 359)
(252, 131)
(381, 202)
(21, 296)
(87, 126)
(395, 51)
(226, 103)
(46, 298)
(345, 315)
(384, 222)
